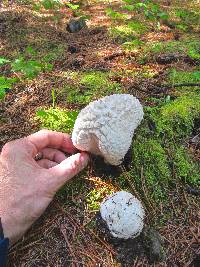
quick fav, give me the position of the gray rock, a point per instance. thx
(167, 58)
(196, 139)
(75, 25)
(154, 245)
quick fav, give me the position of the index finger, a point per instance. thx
(52, 139)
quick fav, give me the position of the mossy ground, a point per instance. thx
(163, 164)
(91, 86)
(160, 155)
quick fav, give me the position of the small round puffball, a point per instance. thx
(123, 214)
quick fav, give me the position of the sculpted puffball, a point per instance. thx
(106, 126)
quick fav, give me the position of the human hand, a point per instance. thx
(27, 186)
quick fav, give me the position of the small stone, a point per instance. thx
(196, 139)
(167, 59)
(73, 49)
(97, 30)
(77, 63)
(196, 261)
(193, 191)
(75, 25)
(154, 245)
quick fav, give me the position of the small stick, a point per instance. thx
(144, 190)
(63, 231)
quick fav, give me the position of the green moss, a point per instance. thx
(91, 85)
(186, 168)
(137, 26)
(142, 72)
(184, 77)
(154, 161)
(97, 81)
(189, 46)
(133, 45)
(151, 165)
(128, 31)
(56, 52)
(96, 196)
(45, 50)
(176, 119)
(188, 18)
(57, 119)
(114, 15)
(74, 190)
(75, 95)
(159, 156)
(169, 46)
(121, 33)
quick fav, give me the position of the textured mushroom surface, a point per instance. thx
(123, 215)
(106, 126)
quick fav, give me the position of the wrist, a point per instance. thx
(4, 245)
(7, 230)
(11, 227)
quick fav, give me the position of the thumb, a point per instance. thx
(68, 168)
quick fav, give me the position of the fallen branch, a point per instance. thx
(162, 88)
(165, 87)
(181, 85)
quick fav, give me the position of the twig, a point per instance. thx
(130, 183)
(29, 245)
(182, 85)
(89, 256)
(29, 237)
(150, 205)
(164, 87)
(63, 231)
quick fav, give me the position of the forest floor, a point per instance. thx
(111, 55)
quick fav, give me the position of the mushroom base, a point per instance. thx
(100, 168)
(148, 244)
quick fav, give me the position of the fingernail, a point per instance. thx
(84, 158)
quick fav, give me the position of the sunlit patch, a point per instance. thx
(158, 36)
(101, 189)
(105, 53)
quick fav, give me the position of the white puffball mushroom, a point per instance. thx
(123, 214)
(106, 126)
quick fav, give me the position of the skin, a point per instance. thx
(27, 185)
